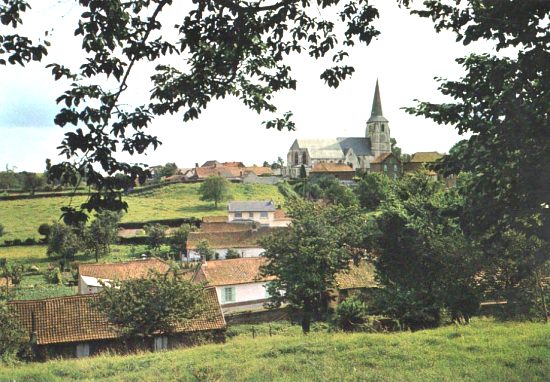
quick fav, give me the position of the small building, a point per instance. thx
(340, 171)
(238, 282)
(421, 159)
(71, 327)
(358, 277)
(245, 242)
(91, 276)
(387, 164)
(259, 211)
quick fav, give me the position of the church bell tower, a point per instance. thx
(378, 129)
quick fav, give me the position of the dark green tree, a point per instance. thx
(32, 181)
(178, 239)
(157, 303)
(306, 257)
(13, 340)
(64, 241)
(424, 261)
(216, 189)
(102, 233)
(45, 230)
(372, 189)
(232, 254)
(157, 235)
(204, 251)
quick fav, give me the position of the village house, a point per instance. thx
(387, 164)
(357, 278)
(71, 327)
(91, 276)
(423, 160)
(262, 212)
(245, 242)
(238, 282)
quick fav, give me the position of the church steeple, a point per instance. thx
(376, 114)
(378, 130)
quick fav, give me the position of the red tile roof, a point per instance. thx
(73, 318)
(226, 227)
(425, 157)
(258, 170)
(232, 271)
(332, 167)
(381, 158)
(226, 172)
(214, 219)
(123, 270)
(233, 164)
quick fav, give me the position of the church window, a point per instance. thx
(385, 167)
(296, 158)
(304, 158)
(382, 127)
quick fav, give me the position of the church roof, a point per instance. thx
(333, 148)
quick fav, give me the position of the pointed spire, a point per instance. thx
(376, 103)
(376, 113)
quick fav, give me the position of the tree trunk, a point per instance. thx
(306, 319)
(542, 296)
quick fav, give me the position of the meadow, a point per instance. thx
(21, 218)
(483, 351)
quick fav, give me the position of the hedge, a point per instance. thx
(168, 222)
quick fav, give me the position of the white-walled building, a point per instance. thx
(237, 281)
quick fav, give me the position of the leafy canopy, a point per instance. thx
(215, 188)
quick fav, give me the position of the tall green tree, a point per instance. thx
(157, 235)
(157, 303)
(372, 189)
(305, 258)
(178, 239)
(424, 262)
(216, 189)
(64, 241)
(102, 233)
(32, 181)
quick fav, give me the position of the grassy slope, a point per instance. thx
(484, 351)
(21, 218)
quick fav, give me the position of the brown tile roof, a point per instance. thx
(232, 271)
(332, 167)
(240, 239)
(211, 163)
(357, 276)
(123, 270)
(214, 219)
(280, 214)
(226, 227)
(233, 164)
(73, 319)
(381, 158)
(258, 170)
(425, 157)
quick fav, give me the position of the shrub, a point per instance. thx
(45, 229)
(232, 254)
(351, 314)
(13, 340)
(53, 276)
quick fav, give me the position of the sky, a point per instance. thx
(405, 58)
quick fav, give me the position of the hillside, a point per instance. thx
(21, 218)
(484, 351)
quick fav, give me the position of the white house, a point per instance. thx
(237, 281)
(263, 212)
(90, 276)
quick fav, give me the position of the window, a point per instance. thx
(395, 167)
(385, 167)
(238, 214)
(228, 294)
(82, 350)
(263, 215)
(161, 343)
(251, 215)
(304, 158)
(296, 158)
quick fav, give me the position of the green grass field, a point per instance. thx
(483, 351)
(21, 218)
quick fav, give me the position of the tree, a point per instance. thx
(63, 242)
(45, 230)
(8, 179)
(424, 262)
(266, 164)
(167, 170)
(2, 230)
(148, 306)
(204, 251)
(32, 182)
(373, 189)
(305, 258)
(215, 188)
(102, 232)
(178, 239)
(351, 314)
(157, 235)
(13, 339)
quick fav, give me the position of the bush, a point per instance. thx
(13, 340)
(232, 254)
(351, 315)
(53, 276)
(45, 229)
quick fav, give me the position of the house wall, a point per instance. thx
(222, 252)
(252, 216)
(244, 292)
(84, 288)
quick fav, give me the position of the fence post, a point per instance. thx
(270, 330)
(253, 332)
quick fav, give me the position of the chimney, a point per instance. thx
(196, 165)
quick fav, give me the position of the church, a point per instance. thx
(357, 152)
